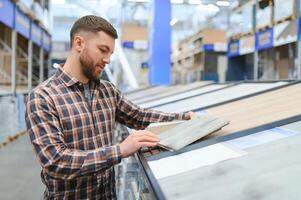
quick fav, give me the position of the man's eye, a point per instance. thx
(102, 50)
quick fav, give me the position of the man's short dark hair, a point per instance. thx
(94, 24)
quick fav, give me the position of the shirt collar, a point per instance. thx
(68, 79)
(65, 77)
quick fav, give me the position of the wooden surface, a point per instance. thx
(259, 110)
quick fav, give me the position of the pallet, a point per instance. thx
(250, 33)
(289, 18)
(12, 139)
(265, 27)
(241, 35)
(236, 37)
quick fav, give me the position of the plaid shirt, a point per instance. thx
(73, 140)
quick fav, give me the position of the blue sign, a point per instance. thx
(160, 43)
(22, 23)
(46, 41)
(36, 34)
(299, 28)
(7, 13)
(233, 48)
(208, 47)
(264, 39)
(128, 44)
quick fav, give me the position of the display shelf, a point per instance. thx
(169, 187)
(193, 54)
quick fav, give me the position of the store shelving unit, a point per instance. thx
(201, 56)
(263, 43)
(270, 50)
(25, 44)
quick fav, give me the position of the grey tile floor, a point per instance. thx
(19, 172)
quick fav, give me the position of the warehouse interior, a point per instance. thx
(235, 63)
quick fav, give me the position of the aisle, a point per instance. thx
(19, 172)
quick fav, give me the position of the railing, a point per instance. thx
(5, 53)
(5, 77)
(4, 46)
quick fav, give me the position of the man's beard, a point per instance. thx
(88, 67)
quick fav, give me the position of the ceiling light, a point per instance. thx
(212, 8)
(223, 3)
(177, 1)
(172, 1)
(139, 1)
(58, 2)
(195, 2)
(173, 21)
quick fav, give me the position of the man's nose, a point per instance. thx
(107, 59)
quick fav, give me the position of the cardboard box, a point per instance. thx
(133, 32)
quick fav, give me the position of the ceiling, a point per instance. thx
(188, 16)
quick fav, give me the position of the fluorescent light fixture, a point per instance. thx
(177, 1)
(212, 8)
(139, 1)
(57, 1)
(195, 2)
(172, 1)
(173, 21)
(223, 3)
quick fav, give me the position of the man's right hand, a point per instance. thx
(136, 140)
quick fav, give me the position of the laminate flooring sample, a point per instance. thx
(189, 131)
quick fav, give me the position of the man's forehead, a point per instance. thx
(100, 38)
(100, 34)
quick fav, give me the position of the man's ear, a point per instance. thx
(78, 43)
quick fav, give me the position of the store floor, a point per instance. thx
(19, 171)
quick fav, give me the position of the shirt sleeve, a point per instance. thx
(55, 157)
(136, 117)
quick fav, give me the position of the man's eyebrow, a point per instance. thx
(104, 46)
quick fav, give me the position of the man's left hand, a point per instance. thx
(192, 115)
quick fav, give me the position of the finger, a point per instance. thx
(152, 134)
(192, 114)
(143, 132)
(148, 144)
(147, 138)
(146, 133)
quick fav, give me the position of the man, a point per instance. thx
(71, 119)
